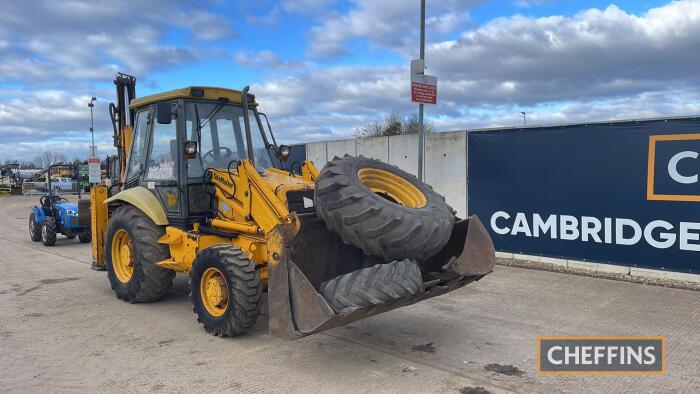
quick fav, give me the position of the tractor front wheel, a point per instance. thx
(225, 290)
(132, 251)
(34, 228)
(48, 231)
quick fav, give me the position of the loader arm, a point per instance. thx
(254, 207)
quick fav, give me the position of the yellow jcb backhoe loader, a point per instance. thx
(204, 189)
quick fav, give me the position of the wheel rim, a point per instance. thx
(214, 292)
(122, 256)
(43, 232)
(392, 187)
(31, 226)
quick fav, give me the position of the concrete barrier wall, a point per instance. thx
(446, 168)
(445, 163)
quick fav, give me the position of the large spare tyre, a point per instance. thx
(382, 209)
(373, 286)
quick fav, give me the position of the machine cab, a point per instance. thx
(178, 135)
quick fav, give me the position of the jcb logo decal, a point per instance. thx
(674, 167)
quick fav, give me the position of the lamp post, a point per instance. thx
(421, 130)
(91, 104)
(524, 118)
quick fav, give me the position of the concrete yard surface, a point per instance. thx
(63, 330)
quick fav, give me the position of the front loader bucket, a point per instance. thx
(297, 309)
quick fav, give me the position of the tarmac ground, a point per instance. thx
(63, 330)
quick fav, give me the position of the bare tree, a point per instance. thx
(47, 158)
(410, 125)
(393, 124)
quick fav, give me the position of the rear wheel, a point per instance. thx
(132, 251)
(34, 228)
(225, 290)
(382, 209)
(374, 285)
(85, 236)
(48, 231)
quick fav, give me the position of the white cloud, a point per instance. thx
(306, 6)
(388, 24)
(88, 40)
(58, 52)
(593, 54)
(594, 65)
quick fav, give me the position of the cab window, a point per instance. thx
(136, 158)
(161, 164)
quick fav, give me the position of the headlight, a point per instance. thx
(71, 212)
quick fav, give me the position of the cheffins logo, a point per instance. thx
(674, 168)
(601, 355)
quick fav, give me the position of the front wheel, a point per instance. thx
(34, 228)
(132, 251)
(48, 231)
(225, 290)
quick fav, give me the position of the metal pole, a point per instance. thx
(92, 130)
(524, 119)
(92, 126)
(421, 131)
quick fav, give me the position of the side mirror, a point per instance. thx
(190, 148)
(164, 114)
(283, 152)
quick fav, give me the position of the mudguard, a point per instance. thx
(145, 201)
(38, 214)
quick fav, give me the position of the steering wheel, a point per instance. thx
(45, 201)
(228, 153)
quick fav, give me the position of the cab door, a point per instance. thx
(161, 169)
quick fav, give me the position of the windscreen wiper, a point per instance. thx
(212, 113)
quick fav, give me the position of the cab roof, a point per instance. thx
(194, 93)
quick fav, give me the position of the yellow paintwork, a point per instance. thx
(98, 222)
(251, 205)
(184, 246)
(281, 182)
(214, 291)
(392, 187)
(262, 237)
(144, 200)
(309, 171)
(210, 93)
(122, 256)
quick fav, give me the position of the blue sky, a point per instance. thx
(324, 68)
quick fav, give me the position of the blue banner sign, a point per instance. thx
(624, 193)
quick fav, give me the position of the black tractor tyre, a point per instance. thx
(48, 231)
(244, 290)
(34, 228)
(71, 235)
(371, 221)
(372, 286)
(85, 236)
(148, 282)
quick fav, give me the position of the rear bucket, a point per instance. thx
(297, 309)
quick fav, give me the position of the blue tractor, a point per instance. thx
(56, 215)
